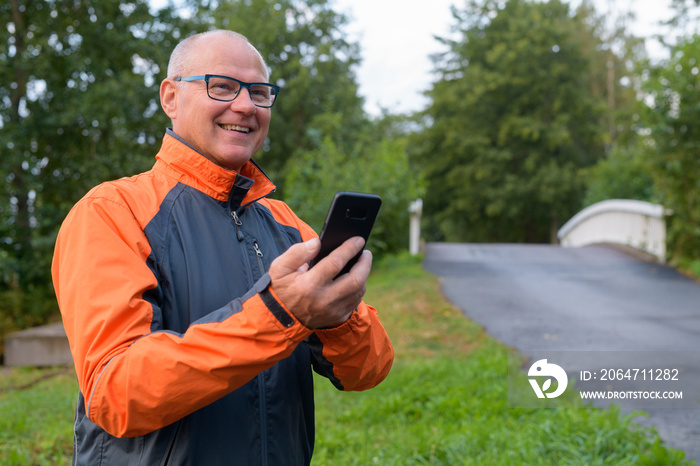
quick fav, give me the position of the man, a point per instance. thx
(192, 316)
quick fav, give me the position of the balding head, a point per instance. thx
(184, 52)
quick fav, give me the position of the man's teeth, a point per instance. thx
(235, 128)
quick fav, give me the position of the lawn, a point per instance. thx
(444, 402)
(36, 416)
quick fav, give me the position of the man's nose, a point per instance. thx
(243, 102)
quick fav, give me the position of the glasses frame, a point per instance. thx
(207, 77)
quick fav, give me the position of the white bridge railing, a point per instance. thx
(638, 224)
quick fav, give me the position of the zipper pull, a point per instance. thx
(258, 252)
(237, 221)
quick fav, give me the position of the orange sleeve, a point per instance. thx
(360, 351)
(134, 380)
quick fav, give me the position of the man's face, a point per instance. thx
(227, 133)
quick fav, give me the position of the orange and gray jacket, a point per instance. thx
(184, 354)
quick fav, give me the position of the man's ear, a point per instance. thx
(168, 97)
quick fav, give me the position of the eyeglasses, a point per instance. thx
(226, 89)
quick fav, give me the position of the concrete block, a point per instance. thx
(39, 346)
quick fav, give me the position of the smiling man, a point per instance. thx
(227, 133)
(193, 318)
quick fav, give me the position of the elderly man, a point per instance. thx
(192, 316)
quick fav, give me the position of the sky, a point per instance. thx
(397, 38)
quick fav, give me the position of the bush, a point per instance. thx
(622, 175)
(381, 169)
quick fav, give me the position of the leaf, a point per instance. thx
(546, 385)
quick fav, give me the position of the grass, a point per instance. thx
(36, 424)
(444, 402)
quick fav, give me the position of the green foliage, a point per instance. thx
(612, 52)
(694, 267)
(378, 166)
(673, 118)
(624, 174)
(36, 426)
(514, 117)
(78, 105)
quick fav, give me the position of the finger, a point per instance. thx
(364, 266)
(295, 258)
(331, 265)
(359, 273)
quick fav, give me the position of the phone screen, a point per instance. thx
(351, 214)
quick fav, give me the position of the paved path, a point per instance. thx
(546, 298)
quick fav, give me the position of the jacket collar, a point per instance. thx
(179, 160)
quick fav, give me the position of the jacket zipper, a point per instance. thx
(261, 377)
(256, 247)
(238, 223)
(259, 254)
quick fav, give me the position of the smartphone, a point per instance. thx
(351, 214)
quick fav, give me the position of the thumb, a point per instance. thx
(295, 257)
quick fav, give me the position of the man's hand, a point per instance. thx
(315, 299)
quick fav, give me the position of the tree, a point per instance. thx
(613, 53)
(673, 119)
(78, 105)
(615, 56)
(513, 118)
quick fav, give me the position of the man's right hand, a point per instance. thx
(315, 299)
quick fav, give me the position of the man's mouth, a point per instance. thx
(240, 129)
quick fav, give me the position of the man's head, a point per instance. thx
(228, 133)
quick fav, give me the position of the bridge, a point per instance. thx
(636, 224)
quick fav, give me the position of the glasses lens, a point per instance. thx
(262, 95)
(223, 89)
(226, 89)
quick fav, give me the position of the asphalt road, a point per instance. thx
(599, 300)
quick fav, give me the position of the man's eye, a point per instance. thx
(223, 86)
(260, 92)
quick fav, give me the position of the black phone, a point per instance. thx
(351, 214)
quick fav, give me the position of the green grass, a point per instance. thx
(36, 421)
(445, 401)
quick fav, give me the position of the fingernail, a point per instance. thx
(359, 242)
(311, 245)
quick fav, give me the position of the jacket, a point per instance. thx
(183, 352)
